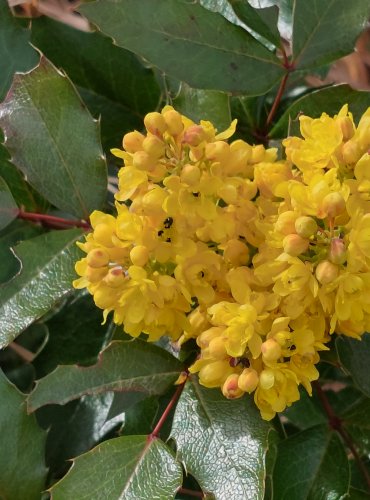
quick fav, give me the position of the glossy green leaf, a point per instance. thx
(328, 100)
(204, 105)
(129, 467)
(326, 31)
(46, 275)
(354, 357)
(111, 80)
(54, 140)
(76, 336)
(22, 462)
(306, 412)
(188, 42)
(356, 421)
(221, 442)
(130, 366)
(16, 53)
(8, 207)
(140, 418)
(311, 464)
(262, 21)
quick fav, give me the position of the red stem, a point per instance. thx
(336, 424)
(52, 220)
(166, 412)
(277, 100)
(191, 493)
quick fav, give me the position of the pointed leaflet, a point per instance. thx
(16, 53)
(354, 357)
(311, 464)
(328, 100)
(324, 31)
(130, 366)
(221, 442)
(54, 140)
(46, 275)
(129, 467)
(111, 80)
(22, 463)
(188, 42)
(8, 207)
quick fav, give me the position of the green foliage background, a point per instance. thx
(72, 388)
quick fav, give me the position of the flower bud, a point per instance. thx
(173, 121)
(228, 193)
(248, 380)
(155, 123)
(154, 146)
(132, 141)
(218, 151)
(142, 161)
(337, 252)
(236, 252)
(351, 152)
(216, 348)
(305, 226)
(214, 373)
(95, 274)
(139, 255)
(190, 174)
(326, 272)
(98, 257)
(103, 234)
(286, 222)
(346, 126)
(332, 205)
(194, 135)
(294, 244)
(267, 379)
(230, 389)
(115, 277)
(271, 350)
(205, 338)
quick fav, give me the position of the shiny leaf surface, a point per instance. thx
(8, 207)
(354, 357)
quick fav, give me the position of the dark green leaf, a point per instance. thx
(22, 463)
(328, 100)
(9, 237)
(357, 422)
(8, 207)
(221, 442)
(189, 43)
(111, 80)
(76, 335)
(140, 418)
(204, 105)
(326, 31)
(129, 467)
(306, 412)
(131, 366)
(311, 464)
(262, 21)
(354, 356)
(46, 275)
(54, 140)
(16, 53)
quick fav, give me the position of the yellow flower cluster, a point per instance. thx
(257, 258)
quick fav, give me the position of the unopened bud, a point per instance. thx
(103, 235)
(98, 257)
(236, 253)
(95, 274)
(217, 349)
(155, 123)
(337, 252)
(218, 151)
(271, 350)
(205, 338)
(115, 277)
(139, 255)
(285, 223)
(228, 193)
(194, 135)
(332, 205)
(190, 174)
(230, 389)
(267, 379)
(326, 272)
(154, 146)
(351, 152)
(248, 380)
(174, 122)
(133, 141)
(294, 244)
(214, 373)
(347, 127)
(305, 226)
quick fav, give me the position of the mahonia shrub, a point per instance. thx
(259, 259)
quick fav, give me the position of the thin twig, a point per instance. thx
(52, 220)
(277, 100)
(166, 412)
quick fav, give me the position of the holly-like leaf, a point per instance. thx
(204, 105)
(221, 442)
(22, 462)
(16, 53)
(328, 100)
(313, 22)
(46, 275)
(111, 80)
(54, 140)
(130, 366)
(356, 421)
(311, 464)
(129, 467)
(354, 357)
(8, 207)
(188, 42)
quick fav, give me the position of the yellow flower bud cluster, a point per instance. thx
(258, 259)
